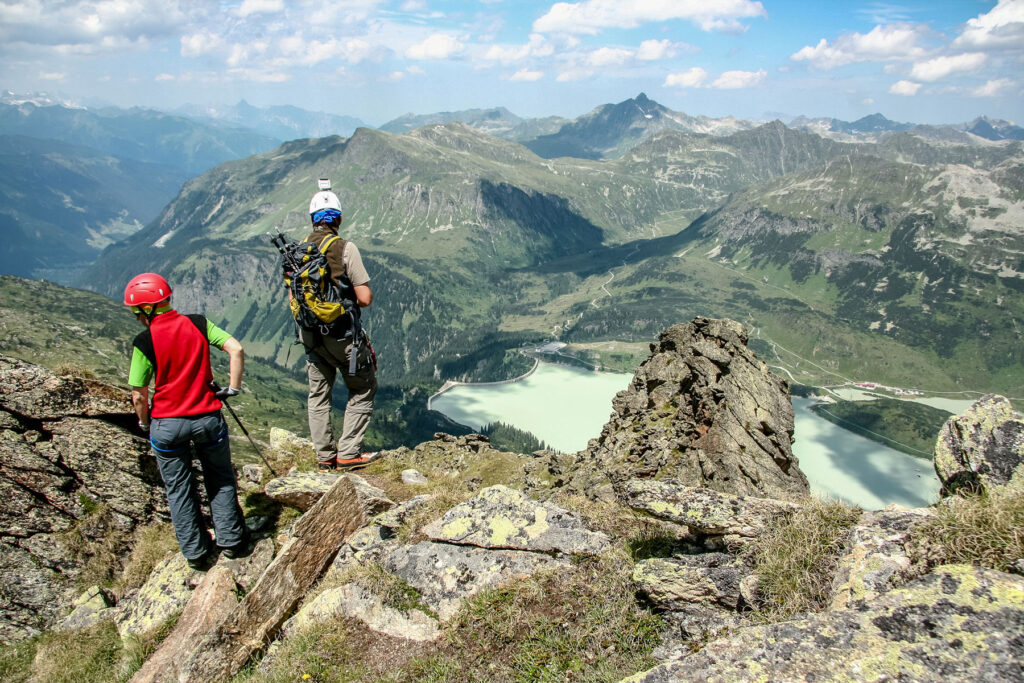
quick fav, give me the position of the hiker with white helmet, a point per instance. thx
(173, 353)
(340, 345)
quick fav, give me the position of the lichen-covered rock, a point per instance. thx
(981, 447)
(702, 510)
(91, 607)
(352, 600)
(165, 593)
(501, 517)
(958, 623)
(704, 411)
(674, 583)
(69, 447)
(877, 560)
(446, 574)
(303, 489)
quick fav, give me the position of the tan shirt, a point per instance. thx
(348, 261)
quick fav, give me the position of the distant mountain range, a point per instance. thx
(872, 249)
(278, 122)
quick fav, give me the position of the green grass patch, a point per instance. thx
(796, 557)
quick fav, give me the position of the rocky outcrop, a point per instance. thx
(703, 411)
(956, 623)
(356, 602)
(69, 452)
(302, 489)
(705, 513)
(981, 447)
(503, 518)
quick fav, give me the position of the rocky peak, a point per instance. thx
(702, 410)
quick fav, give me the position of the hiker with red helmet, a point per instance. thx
(173, 353)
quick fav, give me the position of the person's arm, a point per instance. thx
(236, 362)
(236, 355)
(140, 401)
(364, 295)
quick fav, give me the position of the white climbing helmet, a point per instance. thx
(324, 199)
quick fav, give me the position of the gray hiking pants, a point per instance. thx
(170, 439)
(323, 363)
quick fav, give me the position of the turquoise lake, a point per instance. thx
(566, 407)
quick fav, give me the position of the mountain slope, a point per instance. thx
(61, 204)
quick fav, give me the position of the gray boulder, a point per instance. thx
(446, 574)
(69, 450)
(981, 447)
(352, 600)
(959, 623)
(303, 489)
(704, 411)
(703, 511)
(502, 517)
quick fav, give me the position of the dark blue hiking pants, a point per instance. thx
(170, 438)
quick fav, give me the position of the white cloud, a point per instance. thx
(1001, 27)
(164, 77)
(609, 56)
(896, 41)
(200, 44)
(52, 76)
(867, 101)
(88, 27)
(940, 67)
(573, 74)
(993, 88)
(526, 75)
(693, 78)
(536, 46)
(651, 50)
(260, 7)
(437, 46)
(734, 80)
(592, 16)
(904, 88)
(393, 77)
(415, 71)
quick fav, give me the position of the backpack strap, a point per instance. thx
(327, 242)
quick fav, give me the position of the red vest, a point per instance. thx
(183, 374)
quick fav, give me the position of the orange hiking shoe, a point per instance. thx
(356, 463)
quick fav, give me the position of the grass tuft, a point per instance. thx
(985, 529)
(71, 369)
(152, 544)
(795, 559)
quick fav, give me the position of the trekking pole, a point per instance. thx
(224, 401)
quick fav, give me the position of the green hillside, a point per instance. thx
(847, 261)
(78, 332)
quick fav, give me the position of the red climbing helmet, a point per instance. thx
(148, 288)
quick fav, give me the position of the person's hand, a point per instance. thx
(224, 393)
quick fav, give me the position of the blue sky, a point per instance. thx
(940, 61)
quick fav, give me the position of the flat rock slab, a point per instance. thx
(352, 600)
(959, 623)
(702, 510)
(303, 489)
(214, 598)
(446, 574)
(504, 518)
